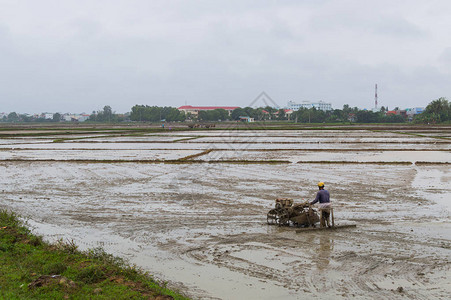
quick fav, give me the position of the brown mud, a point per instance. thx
(203, 226)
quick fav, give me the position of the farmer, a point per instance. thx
(323, 198)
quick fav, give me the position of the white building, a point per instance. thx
(321, 105)
(75, 117)
(47, 116)
(411, 112)
(414, 111)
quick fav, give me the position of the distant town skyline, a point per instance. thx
(292, 105)
(71, 58)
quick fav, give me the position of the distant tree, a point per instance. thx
(335, 115)
(137, 113)
(107, 113)
(203, 115)
(261, 114)
(364, 116)
(439, 108)
(156, 114)
(237, 113)
(25, 118)
(281, 114)
(223, 114)
(393, 119)
(56, 117)
(13, 117)
(311, 115)
(271, 111)
(39, 120)
(345, 112)
(173, 115)
(437, 111)
(250, 112)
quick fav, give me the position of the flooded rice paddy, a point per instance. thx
(190, 207)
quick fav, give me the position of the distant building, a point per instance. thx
(75, 117)
(287, 112)
(68, 117)
(47, 116)
(246, 119)
(352, 117)
(83, 117)
(194, 110)
(414, 111)
(411, 112)
(408, 113)
(321, 105)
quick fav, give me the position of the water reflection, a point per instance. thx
(324, 250)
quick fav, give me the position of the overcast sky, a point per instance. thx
(78, 56)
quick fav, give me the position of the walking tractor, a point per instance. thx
(288, 213)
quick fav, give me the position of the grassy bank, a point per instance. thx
(33, 269)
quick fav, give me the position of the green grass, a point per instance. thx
(27, 265)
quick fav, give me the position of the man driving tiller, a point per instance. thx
(323, 198)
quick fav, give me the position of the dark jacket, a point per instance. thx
(322, 196)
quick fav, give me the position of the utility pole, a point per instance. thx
(375, 97)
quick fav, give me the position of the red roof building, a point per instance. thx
(195, 109)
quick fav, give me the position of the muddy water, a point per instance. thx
(223, 146)
(99, 155)
(202, 227)
(336, 156)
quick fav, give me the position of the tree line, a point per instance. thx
(156, 114)
(303, 115)
(438, 111)
(14, 117)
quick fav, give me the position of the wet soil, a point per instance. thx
(202, 227)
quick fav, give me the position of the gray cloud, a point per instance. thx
(445, 57)
(81, 55)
